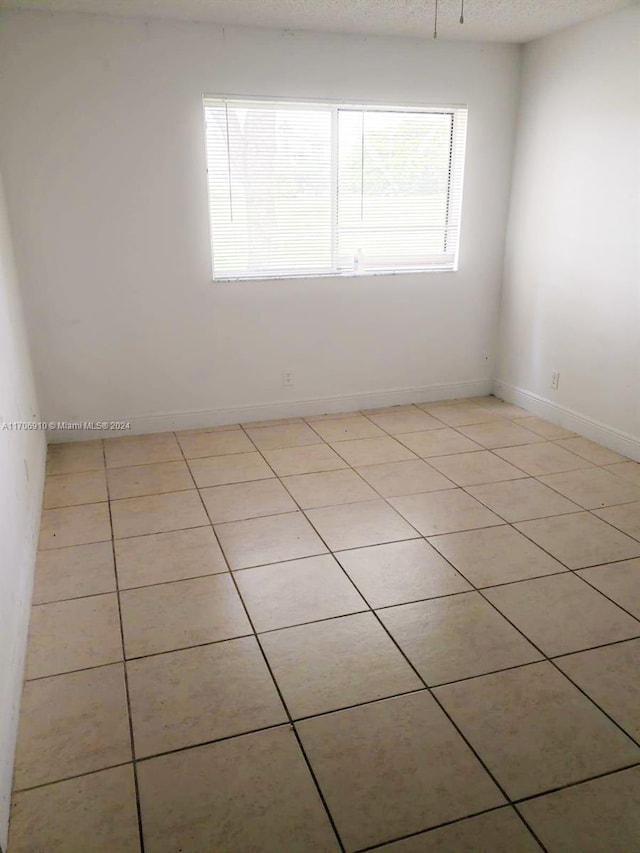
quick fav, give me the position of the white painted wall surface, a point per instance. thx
(21, 476)
(572, 269)
(103, 152)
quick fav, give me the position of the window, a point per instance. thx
(308, 189)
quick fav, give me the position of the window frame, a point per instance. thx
(459, 133)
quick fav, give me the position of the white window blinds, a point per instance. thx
(328, 189)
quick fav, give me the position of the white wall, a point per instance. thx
(572, 270)
(21, 476)
(104, 160)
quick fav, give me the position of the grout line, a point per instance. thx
(593, 778)
(611, 524)
(171, 491)
(604, 594)
(430, 829)
(235, 736)
(69, 778)
(126, 683)
(528, 826)
(75, 598)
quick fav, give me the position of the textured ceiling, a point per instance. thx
(485, 20)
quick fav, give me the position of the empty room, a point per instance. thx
(319, 426)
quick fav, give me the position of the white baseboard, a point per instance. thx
(608, 436)
(166, 421)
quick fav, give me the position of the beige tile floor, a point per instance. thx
(406, 630)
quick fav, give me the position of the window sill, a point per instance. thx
(305, 277)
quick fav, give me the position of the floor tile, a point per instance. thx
(627, 470)
(545, 428)
(625, 518)
(197, 695)
(173, 556)
(157, 514)
(601, 815)
(593, 488)
(287, 594)
(619, 581)
(177, 615)
(409, 420)
(444, 512)
(72, 724)
(459, 413)
(563, 614)
(543, 458)
(470, 469)
(611, 677)
(438, 442)
(400, 572)
(372, 451)
(341, 429)
(93, 812)
(394, 767)
(398, 409)
(329, 665)
(285, 435)
(495, 555)
(498, 831)
(258, 541)
(393, 479)
(149, 479)
(381, 748)
(591, 451)
(199, 444)
(141, 449)
(329, 488)
(304, 460)
(74, 525)
(247, 500)
(500, 434)
(74, 572)
(501, 407)
(74, 634)
(220, 428)
(73, 489)
(522, 500)
(534, 730)
(75, 457)
(250, 793)
(271, 422)
(355, 525)
(459, 636)
(328, 416)
(237, 468)
(580, 540)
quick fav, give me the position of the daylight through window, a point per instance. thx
(306, 189)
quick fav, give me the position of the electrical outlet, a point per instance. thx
(287, 378)
(555, 379)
